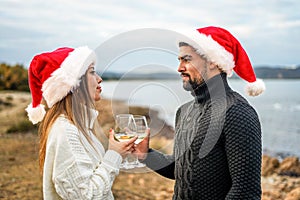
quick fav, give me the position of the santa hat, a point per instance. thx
(52, 75)
(220, 47)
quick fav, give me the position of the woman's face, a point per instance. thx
(94, 81)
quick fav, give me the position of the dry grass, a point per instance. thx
(13, 114)
(19, 175)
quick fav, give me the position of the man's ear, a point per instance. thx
(213, 69)
(212, 66)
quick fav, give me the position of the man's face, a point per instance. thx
(192, 67)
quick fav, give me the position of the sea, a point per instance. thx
(278, 107)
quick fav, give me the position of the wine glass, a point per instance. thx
(141, 127)
(125, 129)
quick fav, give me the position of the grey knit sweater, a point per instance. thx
(217, 149)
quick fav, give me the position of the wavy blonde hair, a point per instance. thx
(75, 107)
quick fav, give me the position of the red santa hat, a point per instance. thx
(219, 46)
(52, 75)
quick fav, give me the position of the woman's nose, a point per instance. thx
(99, 79)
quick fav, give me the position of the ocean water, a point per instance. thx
(278, 108)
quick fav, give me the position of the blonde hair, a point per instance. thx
(76, 108)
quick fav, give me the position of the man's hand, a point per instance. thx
(141, 149)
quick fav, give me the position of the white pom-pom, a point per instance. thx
(36, 114)
(255, 88)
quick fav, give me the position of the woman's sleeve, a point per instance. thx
(76, 177)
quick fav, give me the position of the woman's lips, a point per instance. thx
(99, 88)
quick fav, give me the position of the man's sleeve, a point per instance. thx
(243, 149)
(162, 163)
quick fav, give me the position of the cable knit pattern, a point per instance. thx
(73, 169)
(217, 151)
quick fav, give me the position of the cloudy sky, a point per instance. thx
(269, 30)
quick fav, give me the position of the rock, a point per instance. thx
(269, 165)
(290, 166)
(271, 194)
(293, 195)
(277, 187)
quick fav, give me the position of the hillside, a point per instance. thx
(263, 72)
(278, 72)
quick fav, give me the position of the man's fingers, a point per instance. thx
(148, 132)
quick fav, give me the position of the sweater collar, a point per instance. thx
(90, 123)
(215, 87)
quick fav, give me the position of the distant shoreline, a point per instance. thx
(261, 72)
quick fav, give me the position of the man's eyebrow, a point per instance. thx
(184, 57)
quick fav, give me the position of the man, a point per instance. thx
(217, 148)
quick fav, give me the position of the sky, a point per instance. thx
(269, 30)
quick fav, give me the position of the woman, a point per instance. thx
(73, 161)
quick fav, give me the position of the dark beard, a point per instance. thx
(191, 85)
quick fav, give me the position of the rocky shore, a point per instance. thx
(280, 180)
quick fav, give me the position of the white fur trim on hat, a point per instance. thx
(36, 114)
(207, 47)
(67, 77)
(255, 88)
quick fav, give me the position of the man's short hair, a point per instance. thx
(182, 44)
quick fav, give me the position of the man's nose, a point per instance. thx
(181, 67)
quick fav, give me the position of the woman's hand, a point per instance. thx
(123, 148)
(141, 149)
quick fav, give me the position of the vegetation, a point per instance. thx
(13, 77)
(5, 103)
(24, 126)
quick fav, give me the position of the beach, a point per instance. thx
(20, 178)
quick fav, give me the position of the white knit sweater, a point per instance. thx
(73, 169)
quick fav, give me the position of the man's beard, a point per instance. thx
(191, 85)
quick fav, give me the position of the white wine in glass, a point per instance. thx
(141, 127)
(125, 129)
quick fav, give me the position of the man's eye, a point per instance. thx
(186, 60)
